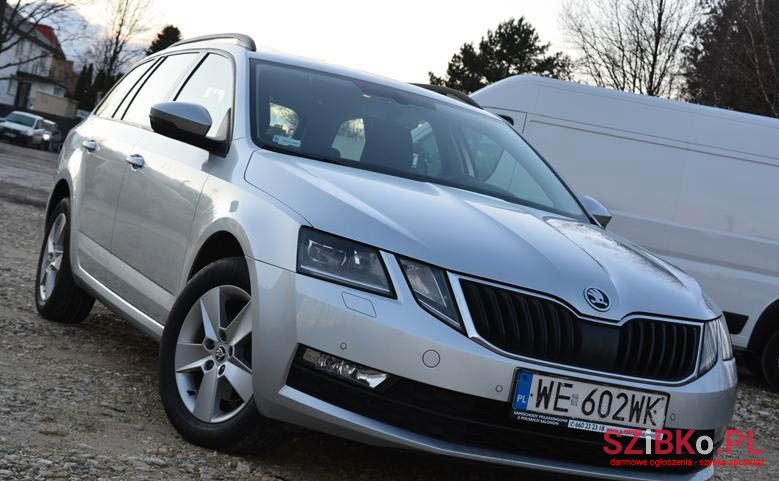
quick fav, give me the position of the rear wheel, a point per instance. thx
(57, 297)
(206, 380)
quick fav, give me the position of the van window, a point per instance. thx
(212, 87)
(107, 108)
(157, 87)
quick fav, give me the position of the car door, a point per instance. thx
(158, 198)
(102, 145)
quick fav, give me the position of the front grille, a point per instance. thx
(467, 420)
(546, 330)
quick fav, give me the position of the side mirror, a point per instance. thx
(186, 122)
(597, 210)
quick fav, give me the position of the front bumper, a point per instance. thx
(393, 335)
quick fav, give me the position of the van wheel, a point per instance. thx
(57, 297)
(770, 361)
(205, 372)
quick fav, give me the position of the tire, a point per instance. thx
(753, 362)
(770, 361)
(230, 422)
(57, 296)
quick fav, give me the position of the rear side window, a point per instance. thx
(109, 105)
(350, 139)
(212, 87)
(157, 87)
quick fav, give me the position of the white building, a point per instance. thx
(41, 83)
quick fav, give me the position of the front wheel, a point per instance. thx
(206, 381)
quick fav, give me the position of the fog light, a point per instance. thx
(341, 368)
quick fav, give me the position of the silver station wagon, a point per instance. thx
(319, 247)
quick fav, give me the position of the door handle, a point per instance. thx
(89, 145)
(136, 161)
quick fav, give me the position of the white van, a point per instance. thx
(697, 185)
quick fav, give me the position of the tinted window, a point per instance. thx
(399, 132)
(109, 105)
(212, 87)
(157, 88)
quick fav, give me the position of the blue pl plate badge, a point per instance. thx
(522, 393)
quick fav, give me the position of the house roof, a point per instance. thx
(49, 34)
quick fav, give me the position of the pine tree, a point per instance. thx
(732, 62)
(84, 88)
(165, 38)
(513, 48)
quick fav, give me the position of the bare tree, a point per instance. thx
(125, 20)
(20, 22)
(631, 45)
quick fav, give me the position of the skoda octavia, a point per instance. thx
(324, 248)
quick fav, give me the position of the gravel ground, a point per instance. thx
(81, 402)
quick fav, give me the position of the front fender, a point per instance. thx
(266, 229)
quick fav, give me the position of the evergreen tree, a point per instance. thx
(513, 48)
(84, 88)
(165, 38)
(733, 62)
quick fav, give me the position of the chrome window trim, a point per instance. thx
(472, 333)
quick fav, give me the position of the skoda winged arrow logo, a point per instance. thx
(597, 299)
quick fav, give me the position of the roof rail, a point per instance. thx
(451, 93)
(241, 39)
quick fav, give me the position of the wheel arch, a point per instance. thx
(217, 245)
(767, 324)
(60, 191)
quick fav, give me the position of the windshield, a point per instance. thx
(20, 119)
(370, 126)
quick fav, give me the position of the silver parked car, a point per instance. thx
(320, 247)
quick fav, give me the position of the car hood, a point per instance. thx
(479, 235)
(15, 126)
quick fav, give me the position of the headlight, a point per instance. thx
(431, 290)
(725, 343)
(711, 340)
(46, 136)
(342, 261)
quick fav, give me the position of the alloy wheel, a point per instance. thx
(51, 261)
(213, 355)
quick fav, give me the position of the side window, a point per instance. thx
(427, 158)
(212, 87)
(109, 105)
(157, 87)
(495, 166)
(349, 140)
(282, 122)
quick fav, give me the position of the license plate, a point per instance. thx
(542, 398)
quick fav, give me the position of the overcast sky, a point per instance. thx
(402, 39)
